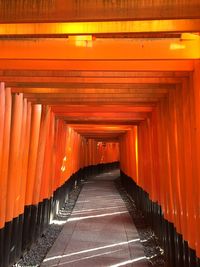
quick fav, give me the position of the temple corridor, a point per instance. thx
(89, 84)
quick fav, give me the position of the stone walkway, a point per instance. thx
(99, 232)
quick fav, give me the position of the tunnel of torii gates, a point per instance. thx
(89, 83)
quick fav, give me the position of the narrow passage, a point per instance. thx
(100, 231)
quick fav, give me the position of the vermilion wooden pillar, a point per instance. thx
(13, 178)
(31, 210)
(4, 173)
(2, 178)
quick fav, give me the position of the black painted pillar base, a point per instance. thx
(14, 237)
(1, 247)
(7, 242)
(192, 257)
(33, 222)
(185, 254)
(178, 241)
(19, 238)
(26, 227)
(39, 221)
(198, 262)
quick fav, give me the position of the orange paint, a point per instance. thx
(33, 152)
(25, 147)
(2, 179)
(13, 185)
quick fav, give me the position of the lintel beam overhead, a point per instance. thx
(99, 27)
(102, 49)
(98, 65)
(82, 73)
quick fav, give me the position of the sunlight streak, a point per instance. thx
(82, 201)
(90, 210)
(96, 216)
(127, 262)
(58, 222)
(93, 249)
(89, 257)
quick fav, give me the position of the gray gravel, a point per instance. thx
(152, 249)
(35, 255)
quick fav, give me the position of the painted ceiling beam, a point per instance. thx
(99, 27)
(102, 49)
(98, 65)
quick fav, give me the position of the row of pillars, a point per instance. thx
(38, 155)
(166, 152)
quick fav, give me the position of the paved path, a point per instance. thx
(99, 232)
